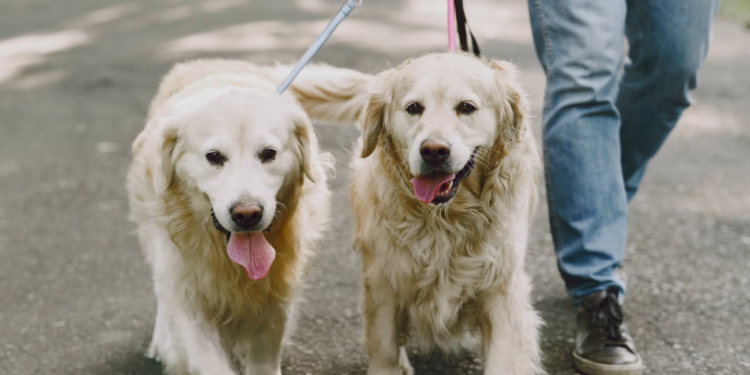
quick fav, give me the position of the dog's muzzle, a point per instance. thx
(438, 187)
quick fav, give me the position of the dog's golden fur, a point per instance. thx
(447, 274)
(211, 318)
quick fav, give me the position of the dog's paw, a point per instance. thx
(403, 363)
(406, 368)
(152, 352)
(391, 371)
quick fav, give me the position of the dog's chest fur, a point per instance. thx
(438, 263)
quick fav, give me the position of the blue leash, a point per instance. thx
(344, 11)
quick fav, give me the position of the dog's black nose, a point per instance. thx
(434, 152)
(246, 215)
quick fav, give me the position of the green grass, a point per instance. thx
(736, 9)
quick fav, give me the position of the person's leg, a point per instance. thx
(668, 42)
(580, 46)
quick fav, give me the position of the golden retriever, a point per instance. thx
(443, 196)
(228, 188)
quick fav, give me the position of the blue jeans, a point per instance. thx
(600, 128)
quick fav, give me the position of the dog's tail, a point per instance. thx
(327, 93)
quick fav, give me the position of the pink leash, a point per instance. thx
(451, 26)
(456, 11)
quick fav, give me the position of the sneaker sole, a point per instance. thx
(593, 368)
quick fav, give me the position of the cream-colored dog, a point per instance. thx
(443, 196)
(228, 188)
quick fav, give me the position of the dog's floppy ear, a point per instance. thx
(306, 143)
(373, 118)
(169, 136)
(510, 102)
(371, 123)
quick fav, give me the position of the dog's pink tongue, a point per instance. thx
(252, 251)
(426, 188)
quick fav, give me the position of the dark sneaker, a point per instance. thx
(603, 345)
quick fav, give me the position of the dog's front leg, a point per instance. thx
(385, 330)
(203, 352)
(183, 339)
(509, 330)
(263, 355)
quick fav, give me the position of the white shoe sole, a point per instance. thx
(594, 368)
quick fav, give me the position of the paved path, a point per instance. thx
(75, 81)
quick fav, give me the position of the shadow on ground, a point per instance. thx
(134, 363)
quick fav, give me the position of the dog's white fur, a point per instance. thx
(451, 273)
(211, 318)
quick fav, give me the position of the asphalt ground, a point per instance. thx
(76, 78)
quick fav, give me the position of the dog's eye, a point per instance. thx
(415, 109)
(268, 155)
(216, 158)
(465, 108)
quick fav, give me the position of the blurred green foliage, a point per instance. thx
(736, 9)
